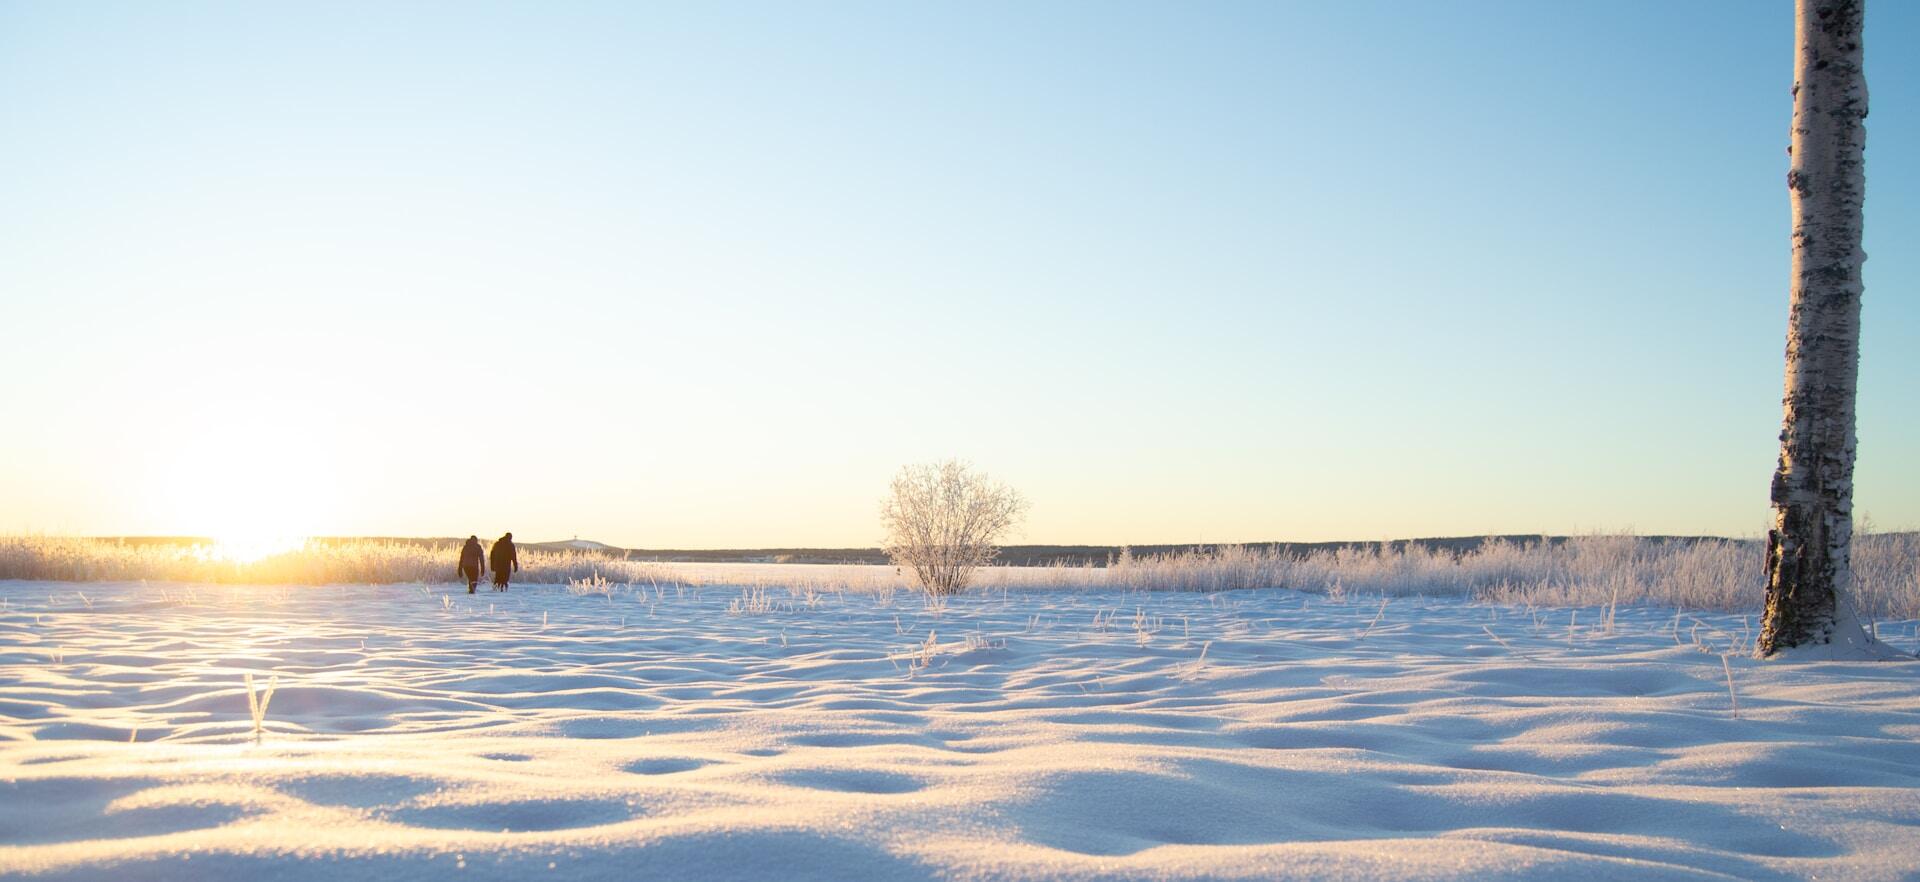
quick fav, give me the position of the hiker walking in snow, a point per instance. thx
(505, 561)
(470, 557)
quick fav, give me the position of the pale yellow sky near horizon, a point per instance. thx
(223, 493)
(670, 275)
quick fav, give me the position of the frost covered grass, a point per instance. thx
(609, 731)
(1601, 570)
(320, 562)
(257, 703)
(1604, 570)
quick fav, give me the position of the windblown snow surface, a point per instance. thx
(730, 734)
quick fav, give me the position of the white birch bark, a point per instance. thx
(1808, 571)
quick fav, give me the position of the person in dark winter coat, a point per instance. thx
(470, 557)
(505, 560)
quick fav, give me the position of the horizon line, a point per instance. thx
(193, 538)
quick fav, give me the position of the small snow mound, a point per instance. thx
(1851, 643)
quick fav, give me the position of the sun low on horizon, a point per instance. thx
(253, 490)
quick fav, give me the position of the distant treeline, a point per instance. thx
(1101, 555)
(1011, 555)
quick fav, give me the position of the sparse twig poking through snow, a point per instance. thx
(1199, 663)
(753, 600)
(1376, 619)
(921, 656)
(1141, 632)
(1509, 647)
(594, 584)
(1732, 698)
(977, 642)
(257, 704)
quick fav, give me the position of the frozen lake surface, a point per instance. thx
(758, 734)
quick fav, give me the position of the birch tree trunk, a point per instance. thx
(1808, 572)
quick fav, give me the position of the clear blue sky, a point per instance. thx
(707, 274)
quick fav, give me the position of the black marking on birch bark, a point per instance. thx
(1807, 563)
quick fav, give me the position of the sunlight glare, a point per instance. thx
(249, 548)
(254, 492)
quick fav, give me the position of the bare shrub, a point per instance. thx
(944, 520)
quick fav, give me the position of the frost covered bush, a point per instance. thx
(944, 520)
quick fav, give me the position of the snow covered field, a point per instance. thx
(760, 734)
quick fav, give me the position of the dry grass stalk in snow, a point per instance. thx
(257, 703)
(1733, 700)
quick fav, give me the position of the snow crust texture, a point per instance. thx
(752, 734)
